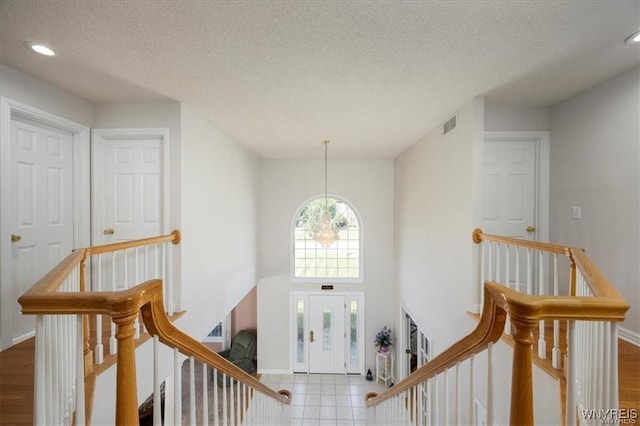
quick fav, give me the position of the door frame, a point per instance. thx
(98, 138)
(297, 295)
(541, 191)
(81, 190)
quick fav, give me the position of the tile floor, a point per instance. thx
(324, 399)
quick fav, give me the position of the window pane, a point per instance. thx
(311, 260)
(300, 334)
(353, 332)
(326, 330)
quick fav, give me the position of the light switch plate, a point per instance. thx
(576, 212)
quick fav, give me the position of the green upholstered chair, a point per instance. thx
(242, 352)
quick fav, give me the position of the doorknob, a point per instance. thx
(108, 231)
(15, 238)
(531, 229)
(311, 339)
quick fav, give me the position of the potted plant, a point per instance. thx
(383, 339)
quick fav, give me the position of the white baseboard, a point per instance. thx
(22, 338)
(629, 336)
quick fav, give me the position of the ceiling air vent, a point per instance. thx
(450, 124)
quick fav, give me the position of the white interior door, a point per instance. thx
(128, 186)
(509, 180)
(327, 334)
(42, 210)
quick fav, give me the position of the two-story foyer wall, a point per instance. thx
(286, 184)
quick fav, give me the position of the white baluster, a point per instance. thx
(498, 263)
(482, 274)
(458, 413)
(157, 420)
(232, 420)
(572, 368)
(529, 272)
(490, 384)
(99, 350)
(446, 396)
(112, 334)
(490, 263)
(518, 281)
(205, 394)
(169, 399)
(39, 374)
(177, 389)
(216, 405)
(192, 391)
(79, 374)
(224, 400)
(436, 406)
(169, 279)
(472, 391)
(613, 365)
(542, 344)
(556, 356)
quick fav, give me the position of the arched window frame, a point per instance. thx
(336, 280)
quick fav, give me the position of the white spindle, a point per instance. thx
(613, 366)
(39, 374)
(99, 350)
(79, 374)
(224, 399)
(232, 419)
(205, 395)
(556, 356)
(542, 344)
(458, 415)
(157, 421)
(446, 397)
(112, 334)
(572, 391)
(216, 405)
(192, 391)
(498, 263)
(169, 279)
(177, 389)
(434, 395)
(490, 262)
(518, 280)
(482, 274)
(490, 384)
(529, 272)
(472, 391)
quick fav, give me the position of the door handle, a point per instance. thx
(108, 231)
(531, 229)
(15, 238)
(311, 339)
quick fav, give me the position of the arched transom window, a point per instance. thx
(341, 260)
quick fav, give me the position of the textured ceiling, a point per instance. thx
(279, 77)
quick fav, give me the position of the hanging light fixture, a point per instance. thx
(326, 233)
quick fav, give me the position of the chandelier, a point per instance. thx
(325, 234)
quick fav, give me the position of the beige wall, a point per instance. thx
(245, 315)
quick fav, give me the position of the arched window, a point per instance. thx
(340, 261)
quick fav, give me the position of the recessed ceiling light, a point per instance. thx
(633, 38)
(40, 48)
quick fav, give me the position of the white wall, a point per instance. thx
(595, 164)
(28, 90)
(435, 193)
(286, 184)
(220, 190)
(502, 118)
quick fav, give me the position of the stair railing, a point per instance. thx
(592, 309)
(63, 356)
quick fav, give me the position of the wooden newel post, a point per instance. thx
(521, 379)
(88, 353)
(126, 388)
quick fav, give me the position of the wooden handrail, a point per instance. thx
(124, 306)
(488, 330)
(479, 236)
(525, 311)
(174, 237)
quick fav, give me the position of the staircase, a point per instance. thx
(430, 395)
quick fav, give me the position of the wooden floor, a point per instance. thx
(16, 381)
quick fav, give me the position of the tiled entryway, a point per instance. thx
(324, 399)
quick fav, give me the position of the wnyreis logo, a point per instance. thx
(612, 416)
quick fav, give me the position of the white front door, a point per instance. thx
(41, 210)
(327, 334)
(128, 185)
(509, 196)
